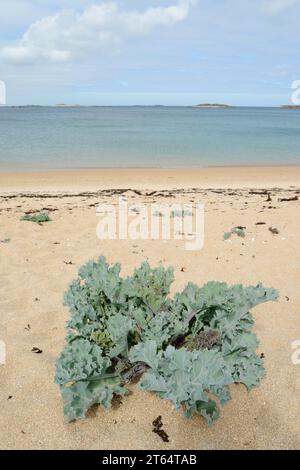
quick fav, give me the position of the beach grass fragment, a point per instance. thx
(239, 231)
(38, 218)
(181, 213)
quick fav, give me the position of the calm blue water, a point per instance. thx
(44, 138)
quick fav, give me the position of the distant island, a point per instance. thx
(22, 106)
(211, 105)
(63, 105)
(290, 106)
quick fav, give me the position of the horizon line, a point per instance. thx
(200, 105)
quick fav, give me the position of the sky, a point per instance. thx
(134, 52)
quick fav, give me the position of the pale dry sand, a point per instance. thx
(33, 278)
(94, 179)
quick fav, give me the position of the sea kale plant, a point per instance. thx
(38, 218)
(187, 349)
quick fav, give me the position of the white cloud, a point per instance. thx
(274, 7)
(69, 34)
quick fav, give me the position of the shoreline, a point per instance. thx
(151, 178)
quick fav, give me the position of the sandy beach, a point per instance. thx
(37, 262)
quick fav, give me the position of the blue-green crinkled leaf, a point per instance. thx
(189, 301)
(85, 380)
(145, 352)
(79, 397)
(183, 377)
(246, 368)
(159, 329)
(94, 295)
(80, 360)
(101, 279)
(118, 328)
(152, 286)
(209, 410)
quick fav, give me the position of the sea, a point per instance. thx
(44, 138)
